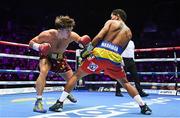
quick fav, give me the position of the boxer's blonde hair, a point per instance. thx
(64, 22)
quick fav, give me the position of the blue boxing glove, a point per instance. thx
(87, 51)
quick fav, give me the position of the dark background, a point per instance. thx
(154, 23)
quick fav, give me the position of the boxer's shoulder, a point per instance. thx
(50, 32)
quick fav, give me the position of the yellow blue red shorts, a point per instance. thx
(107, 59)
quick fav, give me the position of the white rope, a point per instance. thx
(18, 56)
(86, 82)
(157, 59)
(28, 82)
(142, 83)
(136, 60)
(18, 71)
(157, 73)
(36, 71)
(26, 57)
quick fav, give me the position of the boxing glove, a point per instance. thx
(87, 51)
(43, 48)
(84, 41)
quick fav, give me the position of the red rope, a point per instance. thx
(73, 51)
(14, 44)
(24, 45)
(158, 49)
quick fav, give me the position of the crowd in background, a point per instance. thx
(150, 37)
(31, 64)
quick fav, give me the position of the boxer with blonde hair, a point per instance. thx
(52, 45)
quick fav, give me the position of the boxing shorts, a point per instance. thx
(106, 57)
(58, 62)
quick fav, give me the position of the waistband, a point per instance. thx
(56, 56)
(109, 46)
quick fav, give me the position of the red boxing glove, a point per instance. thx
(84, 41)
(44, 48)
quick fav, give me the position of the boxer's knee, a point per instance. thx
(43, 72)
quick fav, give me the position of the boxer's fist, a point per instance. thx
(84, 54)
(87, 51)
(44, 48)
(84, 41)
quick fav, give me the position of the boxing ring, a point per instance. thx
(18, 97)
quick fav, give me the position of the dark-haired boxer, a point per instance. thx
(104, 55)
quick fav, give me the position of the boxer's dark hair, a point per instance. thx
(121, 13)
(64, 22)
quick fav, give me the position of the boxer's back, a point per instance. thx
(118, 33)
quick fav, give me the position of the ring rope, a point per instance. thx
(18, 71)
(157, 59)
(14, 44)
(24, 45)
(136, 50)
(36, 71)
(136, 60)
(142, 83)
(18, 56)
(28, 82)
(158, 49)
(86, 82)
(25, 57)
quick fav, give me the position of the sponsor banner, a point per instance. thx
(101, 89)
(28, 90)
(150, 91)
(167, 92)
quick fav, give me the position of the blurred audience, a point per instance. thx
(150, 37)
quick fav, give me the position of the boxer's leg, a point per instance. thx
(134, 94)
(44, 66)
(67, 76)
(58, 106)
